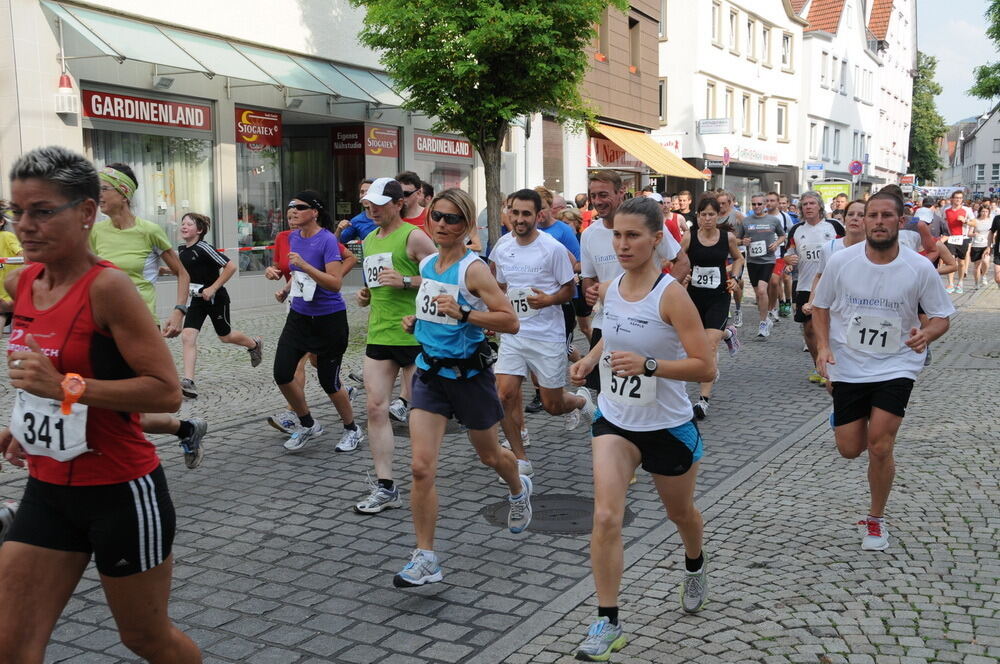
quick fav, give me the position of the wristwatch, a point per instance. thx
(407, 282)
(181, 308)
(650, 366)
(466, 310)
(73, 387)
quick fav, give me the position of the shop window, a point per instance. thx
(603, 37)
(634, 45)
(175, 175)
(552, 155)
(260, 207)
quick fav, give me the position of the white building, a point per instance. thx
(893, 23)
(840, 79)
(976, 163)
(731, 79)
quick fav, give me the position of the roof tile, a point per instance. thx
(879, 21)
(825, 15)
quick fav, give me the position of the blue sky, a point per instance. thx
(954, 32)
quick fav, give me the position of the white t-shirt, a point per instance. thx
(809, 240)
(544, 264)
(872, 310)
(924, 214)
(598, 259)
(911, 239)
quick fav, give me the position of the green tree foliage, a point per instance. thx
(987, 77)
(476, 66)
(927, 125)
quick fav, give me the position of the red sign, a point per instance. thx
(726, 157)
(381, 141)
(126, 108)
(602, 153)
(347, 139)
(258, 129)
(907, 179)
(856, 167)
(441, 146)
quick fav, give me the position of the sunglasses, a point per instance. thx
(407, 194)
(449, 218)
(299, 206)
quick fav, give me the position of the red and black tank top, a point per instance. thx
(66, 332)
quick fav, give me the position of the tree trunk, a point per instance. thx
(491, 156)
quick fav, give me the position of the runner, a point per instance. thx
(960, 221)
(654, 341)
(392, 277)
(136, 246)
(9, 247)
(535, 271)
(209, 271)
(316, 322)
(785, 288)
(870, 344)
(806, 240)
(458, 298)
(980, 247)
(360, 225)
(731, 219)
(84, 358)
(710, 282)
(994, 243)
(762, 234)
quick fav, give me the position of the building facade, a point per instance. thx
(893, 23)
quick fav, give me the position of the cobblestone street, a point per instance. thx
(273, 566)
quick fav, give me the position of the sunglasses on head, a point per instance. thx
(300, 206)
(450, 218)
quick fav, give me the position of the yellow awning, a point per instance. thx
(661, 160)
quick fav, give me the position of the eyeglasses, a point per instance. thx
(107, 188)
(450, 218)
(407, 194)
(40, 216)
(755, 204)
(299, 206)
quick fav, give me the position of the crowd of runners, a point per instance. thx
(653, 283)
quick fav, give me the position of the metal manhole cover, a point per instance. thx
(560, 514)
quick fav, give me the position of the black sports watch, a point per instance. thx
(181, 308)
(466, 310)
(407, 282)
(650, 366)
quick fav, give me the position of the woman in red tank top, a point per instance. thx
(85, 358)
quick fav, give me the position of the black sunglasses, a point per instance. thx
(299, 206)
(407, 194)
(449, 217)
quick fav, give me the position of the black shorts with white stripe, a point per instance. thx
(128, 527)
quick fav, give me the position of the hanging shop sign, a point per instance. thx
(602, 153)
(127, 108)
(436, 145)
(258, 129)
(367, 140)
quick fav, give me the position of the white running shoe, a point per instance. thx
(763, 331)
(588, 410)
(303, 435)
(398, 410)
(285, 421)
(772, 315)
(738, 318)
(876, 535)
(525, 440)
(351, 439)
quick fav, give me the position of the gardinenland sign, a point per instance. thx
(142, 110)
(436, 145)
(258, 129)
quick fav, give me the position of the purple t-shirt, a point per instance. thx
(317, 250)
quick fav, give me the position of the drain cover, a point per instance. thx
(560, 514)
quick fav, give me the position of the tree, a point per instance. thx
(987, 77)
(926, 125)
(476, 66)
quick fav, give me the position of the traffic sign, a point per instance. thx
(707, 173)
(726, 157)
(856, 167)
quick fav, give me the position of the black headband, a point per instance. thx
(310, 198)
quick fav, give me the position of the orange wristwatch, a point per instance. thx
(73, 386)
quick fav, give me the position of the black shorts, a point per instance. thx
(594, 377)
(977, 254)
(669, 452)
(569, 320)
(580, 304)
(217, 312)
(759, 272)
(712, 306)
(854, 401)
(128, 527)
(471, 401)
(959, 250)
(320, 335)
(404, 356)
(801, 297)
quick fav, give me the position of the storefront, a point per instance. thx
(443, 160)
(361, 151)
(638, 159)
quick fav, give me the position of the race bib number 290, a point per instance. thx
(41, 428)
(373, 266)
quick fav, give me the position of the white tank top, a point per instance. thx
(638, 403)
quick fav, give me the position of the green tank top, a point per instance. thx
(388, 304)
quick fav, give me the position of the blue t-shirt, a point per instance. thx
(361, 226)
(317, 250)
(561, 231)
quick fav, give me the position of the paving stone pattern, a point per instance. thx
(273, 566)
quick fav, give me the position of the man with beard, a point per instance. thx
(871, 345)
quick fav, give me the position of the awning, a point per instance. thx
(659, 159)
(128, 39)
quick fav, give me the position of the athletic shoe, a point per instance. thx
(257, 352)
(983, 283)
(302, 435)
(285, 421)
(188, 388)
(733, 342)
(603, 638)
(694, 590)
(422, 568)
(535, 406)
(770, 326)
(589, 408)
(738, 318)
(520, 508)
(772, 315)
(524, 469)
(351, 439)
(785, 309)
(398, 410)
(949, 290)
(876, 535)
(814, 377)
(193, 449)
(959, 290)
(379, 499)
(701, 408)
(525, 440)
(762, 330)
(805, 347)
(351, 393)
